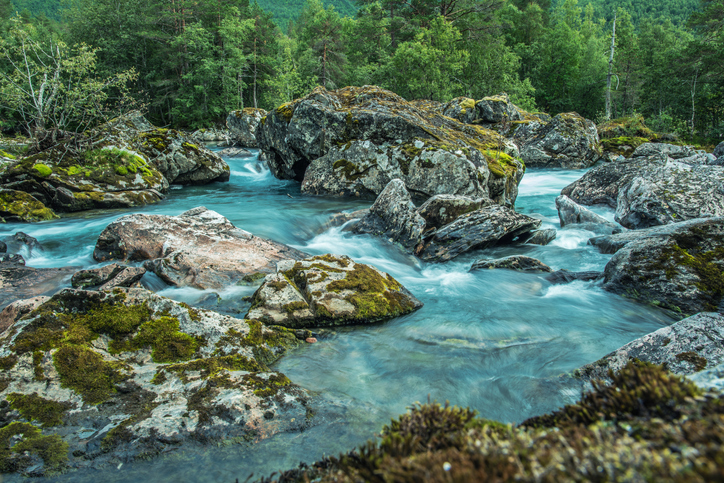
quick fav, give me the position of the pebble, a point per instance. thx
(311, 340)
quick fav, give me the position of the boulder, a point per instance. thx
(10, 259)
(354, 141)
(23, 243)
(221, 137)
(571, 213)
(600, 185)
(684, 348)
(519, 263)
(235, 153)
(682, 269)
(394, 217)
(98, 377)
(329, 290)
(539, 237)
(21, 206)
(14, 311)
(461, 108)
(107, 277)
(564, 276)
(719, 150)
(443, 209)
(198, 248)
(3, 247)
(567, 141)
(243, 126)
(663, 150)
(18, 282)
(489, 226)
(496, 109)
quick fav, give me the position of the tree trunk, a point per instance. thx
(610, 71)
(255, 73)
(693, 99)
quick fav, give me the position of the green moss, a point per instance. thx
(52, 449)
(266, 387)
(87, 373)
(43, 170)
(286, 111)
(343, 262)
(294, 306)
(349, 170)
(35, 408)
(121, 170)
(5, 154)
(468, 103)
(210, 366)
(8, 362)
(253, 278)
(694, 359)
(23, 207)
(631, 127)
(623, 145)
(190, 146)
(278, 285)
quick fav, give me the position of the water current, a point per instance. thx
(494, 340)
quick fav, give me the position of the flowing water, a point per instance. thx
(494, 340)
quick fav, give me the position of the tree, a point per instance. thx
(321, 36)
(53, 88)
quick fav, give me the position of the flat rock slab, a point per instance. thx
(107, 377)
(610, 244)
(519, 263)
(483, 228)
(18, 282)
(329, 290)
(686, 347)
(681, 269)
(198, 248)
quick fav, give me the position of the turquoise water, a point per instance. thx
(493, 340)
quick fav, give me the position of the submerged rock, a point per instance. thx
(519, 263)
(243, 126)
(686, 347)
(198, 248)
(329, 290)
(567, 141)
(109, 377)
(107, 277)
(681, 269)
(487, 227)
(393, 216)
(571, 213)
(354, 141)
(564, 276)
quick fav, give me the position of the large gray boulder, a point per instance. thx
(394, 217)
(198, 248)
(329, 290)
(354, 141)
(443, 209)
(96, 377)
(682, 269)
(571, 213)
(567, 141)
(487, 227)
(243, 125)
(686, 347)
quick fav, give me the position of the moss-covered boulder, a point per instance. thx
(329, 290)
(567, 141)
(21, 206)
(115, 376)
(679, 267)
(353, 141)
(243, 125)
(198, 248)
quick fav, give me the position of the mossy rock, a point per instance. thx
(629, 127)
(21, 206)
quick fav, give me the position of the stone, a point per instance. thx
(663, 150)
(610, 244)
(487, 227)
(23, 243)
(12, 259)
(571, 213)
(198, 248)
(681, 270)
(243, 125)
(443, 209)
(107, 277)
(394, 217)
(519, 263)
(18, 282)
(20, 206)
(539, 237)
(601, 185)
(340, 219)
(495, 109)
(130, 374)
(235, 153)
(686, 347)
(564, 276)
(3, 247)
(329, 290)
(15, 310)
(719, 150)
(354, 141)
(568, 141)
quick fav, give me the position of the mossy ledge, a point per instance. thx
(648, 425)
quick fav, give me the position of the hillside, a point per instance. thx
(676, 10)
(286, 10)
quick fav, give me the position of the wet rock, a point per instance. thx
(12, 259)
(340, 219)
(23, 243)
(663, 150)
(14, 311)
(568, 141)
(21, 206)
(3, 247)
(235, 153)
(564, 276)
(610, 244)
(571, 213)
(443, 209)
(198, 248)
(681, 270)
(719, 150)
(329, 290)
(107, 277)
(354, 141)
(116, 376)
(243, 126)
(686, 347)
(539, 237)
(18, 282)
(601, 185)
(393, 216)
(489, 226)
(519, 263)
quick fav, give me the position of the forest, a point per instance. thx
(187, 63)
